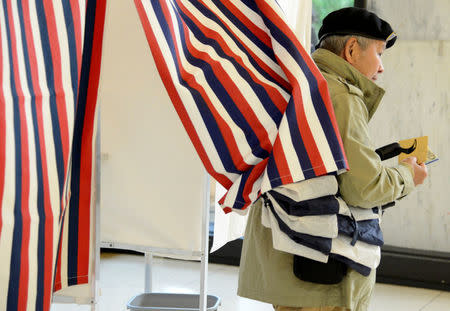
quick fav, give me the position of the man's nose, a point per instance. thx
(380, 68)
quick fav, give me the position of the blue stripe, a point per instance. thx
(272, 172)
(251, 4)
(207, 117)
(259, 90)
(326, 205)
(297, 141)
(207, 13)
(364, 270)
(320, 244)
(77, 142)
(240, 201)
(70, 29)
(318, 103)
(225, 99)
(51, 88)
(16, 247)
(369, 231)
(40, 180)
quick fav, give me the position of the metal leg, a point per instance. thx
(96, 248)
(205, 244)
(148, 272)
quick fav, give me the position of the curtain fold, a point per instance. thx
(252, 101)
(46, 137)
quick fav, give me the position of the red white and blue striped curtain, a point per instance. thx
(49, 67)
(251, 99)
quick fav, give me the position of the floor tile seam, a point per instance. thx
(431, 301)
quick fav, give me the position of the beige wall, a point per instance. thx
(417, 81)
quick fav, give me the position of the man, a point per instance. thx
(351, 42)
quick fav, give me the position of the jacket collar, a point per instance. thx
(333, 64)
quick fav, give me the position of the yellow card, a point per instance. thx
(420, 152)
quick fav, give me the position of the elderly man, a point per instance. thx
(351, 43)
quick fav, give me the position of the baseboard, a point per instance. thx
(412, 267)
(399, 266)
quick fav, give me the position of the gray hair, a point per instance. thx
(337, 43)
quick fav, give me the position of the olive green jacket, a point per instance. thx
(265, 274)
(355, 99)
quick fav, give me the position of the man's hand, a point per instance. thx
(420, 170)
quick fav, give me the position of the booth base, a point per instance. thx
(171, 302)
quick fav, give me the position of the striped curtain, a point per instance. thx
(49, 65)
(251, 99)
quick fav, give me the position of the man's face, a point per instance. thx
(368, 61)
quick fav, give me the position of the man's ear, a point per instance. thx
(350, 50)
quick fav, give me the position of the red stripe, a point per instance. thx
(279, 157)
(57, 70)
(84, 230)
(273, 92)
(174, 96)
(234, 92)
(25, 213)
(57, 286)
(75, 8)
(2, 134)
(48, 222)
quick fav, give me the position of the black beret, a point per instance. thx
(357, 21)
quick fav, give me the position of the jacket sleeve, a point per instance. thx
(368, 183)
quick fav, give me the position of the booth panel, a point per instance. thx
(151, 193)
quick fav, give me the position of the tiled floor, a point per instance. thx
(122, 277)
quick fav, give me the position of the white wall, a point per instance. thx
(416, 103)
(151, 176)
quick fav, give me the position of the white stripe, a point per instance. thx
(211, 25)
(310, 189)
(46, 116)
(6, 234)
(310, 113)
(232, 193)
(318, 225)
(28, 135)
(363, 253)
(64, 249)
(188, 101)
(290, 153)
(283, 243)
(361, 214)
(255, 188)
(82, 12)
(343, 208)
(265, 183)
(242, 85)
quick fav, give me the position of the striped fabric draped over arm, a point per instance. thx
(252, 101)
(46, 138)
